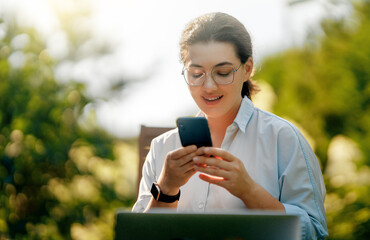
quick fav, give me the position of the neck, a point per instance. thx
(218, 125)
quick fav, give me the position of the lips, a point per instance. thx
(210, 100)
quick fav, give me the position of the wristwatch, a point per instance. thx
(161, 197)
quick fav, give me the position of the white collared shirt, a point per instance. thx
(274, 153)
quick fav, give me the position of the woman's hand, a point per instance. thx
(177, 169)
(227, 171)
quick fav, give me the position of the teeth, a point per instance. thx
(212, 99)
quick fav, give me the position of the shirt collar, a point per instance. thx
(244, 114)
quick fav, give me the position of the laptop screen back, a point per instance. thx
(243, 225)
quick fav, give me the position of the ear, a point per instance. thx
(248, 69)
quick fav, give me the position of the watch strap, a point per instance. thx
(161, 197)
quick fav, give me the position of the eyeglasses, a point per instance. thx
(195, 76)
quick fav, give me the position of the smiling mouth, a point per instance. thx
(211, 99)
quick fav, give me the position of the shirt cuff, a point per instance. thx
(303, 217)
(141, 204)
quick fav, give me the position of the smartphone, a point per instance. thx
(194, 131)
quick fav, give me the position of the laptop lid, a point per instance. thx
(164, 224)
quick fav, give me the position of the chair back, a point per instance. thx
(146, 136)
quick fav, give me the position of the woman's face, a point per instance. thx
(217, 101)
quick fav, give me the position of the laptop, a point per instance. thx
(166, 224)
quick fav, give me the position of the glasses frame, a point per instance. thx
(205, 76)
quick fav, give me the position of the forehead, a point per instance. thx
(208, 54)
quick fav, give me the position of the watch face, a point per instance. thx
(157, 187)
(158, 196)
(155, 191)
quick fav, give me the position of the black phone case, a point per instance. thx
(194, 131)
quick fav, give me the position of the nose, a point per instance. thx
(209, 84)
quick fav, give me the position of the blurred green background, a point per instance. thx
(63, 177)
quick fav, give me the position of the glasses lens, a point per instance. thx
(194, 76)
(223, 75)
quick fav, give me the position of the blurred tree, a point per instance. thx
(58, 180)
(325, 87)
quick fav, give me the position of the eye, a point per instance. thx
(195, 73)
(223, 72)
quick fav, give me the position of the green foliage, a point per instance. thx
(57, 180)
(325, 87)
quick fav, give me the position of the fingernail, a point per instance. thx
(196, 159)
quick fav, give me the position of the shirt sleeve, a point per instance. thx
(302, 189)
(148, 177)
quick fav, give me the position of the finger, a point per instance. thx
(212, 179)
(219, 163)
(187, 166)
(219, 152)
(200, 151)
(190, 172)
(186, 159)
(181, 152)
(217, 172)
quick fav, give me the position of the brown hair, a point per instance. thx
(220, 27)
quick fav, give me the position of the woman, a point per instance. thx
(260, 160)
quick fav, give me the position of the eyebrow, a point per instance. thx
(217, 65)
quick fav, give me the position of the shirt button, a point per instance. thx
(201, 205)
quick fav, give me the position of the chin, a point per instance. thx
(213, 112)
